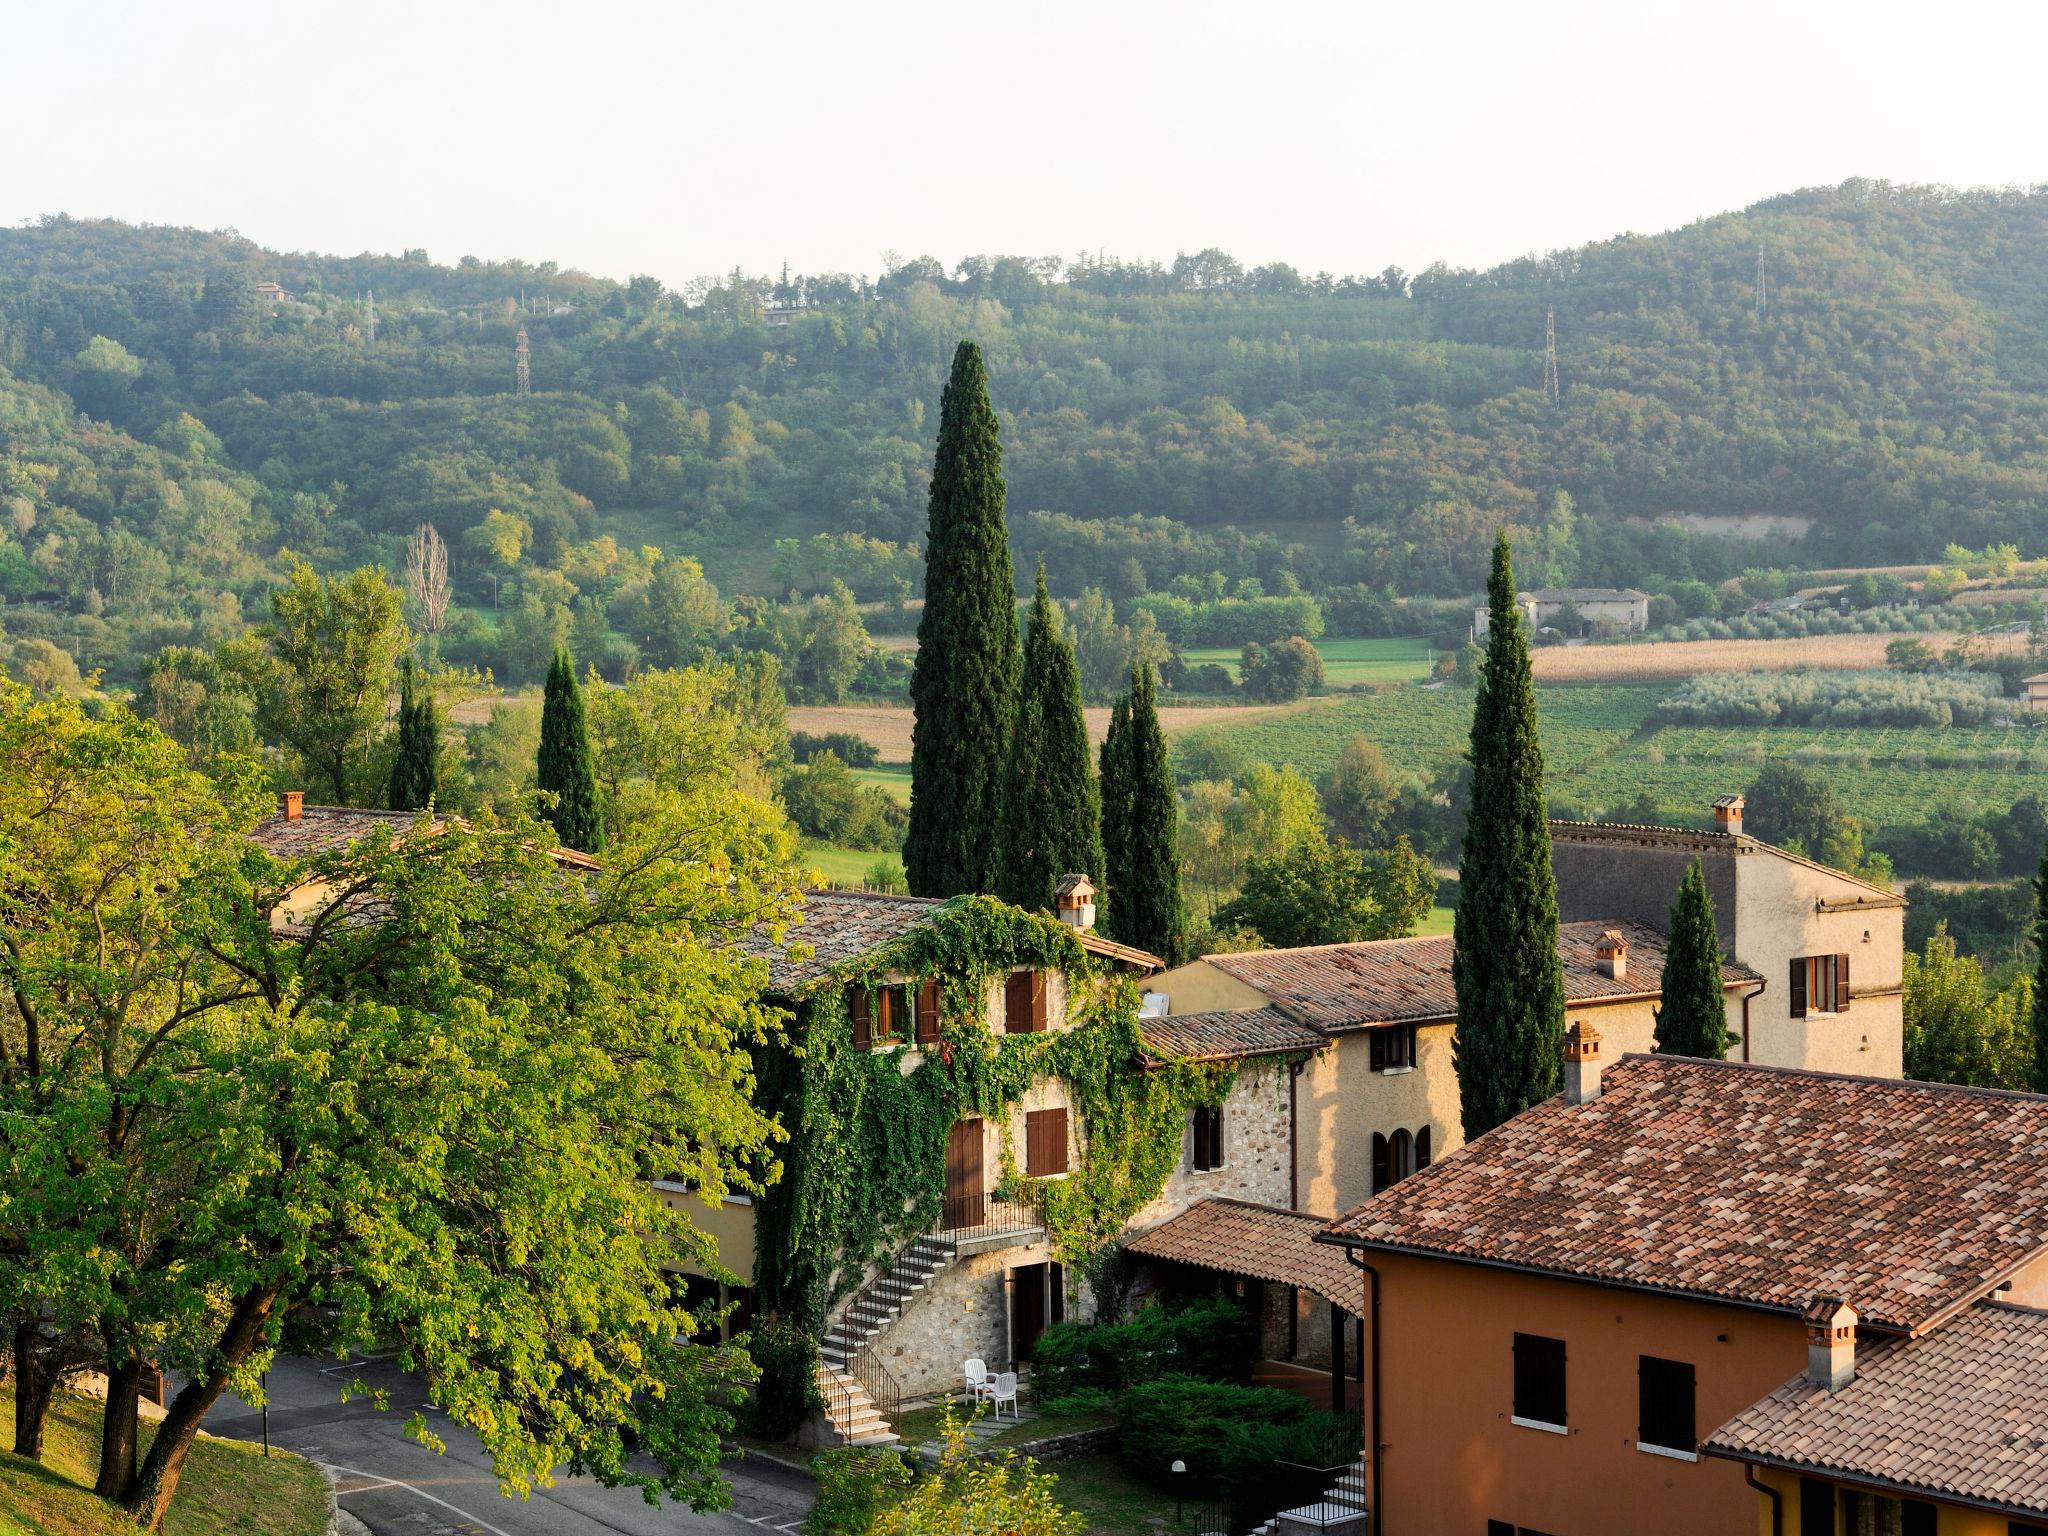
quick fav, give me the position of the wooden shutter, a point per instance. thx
(1798, 993)
(1209, 1125)
(1841, 983)
(1380, 1179)
(1198, 1139)
(1422, 1148)
(1017, 1003)
(1045, 1142)
(1377, 1058)
(863, 1018)
(927, 1024)
(1038, 990)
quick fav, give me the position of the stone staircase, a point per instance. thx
(850, 1411)
(850, 1408)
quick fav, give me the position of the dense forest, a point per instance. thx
(172, 433)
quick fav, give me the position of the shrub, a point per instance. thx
(854, 1487)
(1083, 1400)
(787, 1359)
(1229, 1436)
(1872, 698)
(1212, 1339)
(854, 751)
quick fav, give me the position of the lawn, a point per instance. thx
(1438, 921)
(229, 1486)
(1347, 663)
(1113, 1502)
(893, 779)
(850, 866)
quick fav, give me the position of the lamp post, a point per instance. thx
(1180, 1472)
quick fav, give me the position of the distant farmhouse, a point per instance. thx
(1578, 610)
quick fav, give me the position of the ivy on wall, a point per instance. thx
(864, 1167)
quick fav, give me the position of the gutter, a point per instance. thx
(1375, 1505)
(2019, 1513)
(1777, 1500)
(1294, 1136)
(1762, 985)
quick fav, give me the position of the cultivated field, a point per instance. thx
(1656, 660)
(888, 725)
(1346, 663)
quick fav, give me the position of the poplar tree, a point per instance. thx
(1148, 911)
(2040, 1082)
(1052, 816)
(413, 772)
(1116, 811)
(1692, 1020)
(963, 686)
(1509, 1043)
(564, 768)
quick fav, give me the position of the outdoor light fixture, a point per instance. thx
(1179, 1470)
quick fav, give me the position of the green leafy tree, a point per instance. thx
(414, 768)
(1051, 810)
(1282, 672)
(964, 685)
(1793, 806)
(1957, 1030)
(1361, 794)
(563, 768)
(323, 684)
(1509, 1043)
(1320, 892)
(1148, 910)
(968, 1495)
(1692, 1020)
(1118, 810)
(831, 643)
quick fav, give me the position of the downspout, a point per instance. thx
(1293, 1136)
(1762, 986)
(1376, 1505)
(1777, 1499)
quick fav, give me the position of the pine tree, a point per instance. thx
(1509, 1043)
(1116, 811)
(413, 771)
(1052, 815)
(1692, 1020)
(1147, 911)
(963, 686)
(564, 767)
(2040, 1083)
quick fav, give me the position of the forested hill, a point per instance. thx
(1893, 390)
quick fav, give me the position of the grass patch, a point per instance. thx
(228, 1486)
(1438, 921)
(1109, 1498)
(849, 866)
(921, 1425)
(1347, 663)
(893, 781)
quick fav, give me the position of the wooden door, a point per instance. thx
(965, 1203)
(1027, 1309)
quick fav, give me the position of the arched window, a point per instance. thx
(1402, 1155)
(1382, 1168)
(1422, 1147)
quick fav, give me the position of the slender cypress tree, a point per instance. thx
(963, 686)
(1148, 911)
(1692, 1020)
(2040, 1083)
(413, 771)
(1116, 811)
(1509, 1043)
(1052, 815)
(564, 767)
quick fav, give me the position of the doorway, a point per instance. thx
(1038, 1299)
(966, 1205)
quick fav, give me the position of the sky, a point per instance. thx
(681, 139)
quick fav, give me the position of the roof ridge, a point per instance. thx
(1815, 1073)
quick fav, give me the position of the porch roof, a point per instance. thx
(1262, 1242)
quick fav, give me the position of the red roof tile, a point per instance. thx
(1239, 1238)
(1760, 1185)
(1226, 1036)
(322, 829)
(1960, 1414)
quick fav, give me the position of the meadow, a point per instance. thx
(1348, 663)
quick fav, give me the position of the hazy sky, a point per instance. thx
(679, 139)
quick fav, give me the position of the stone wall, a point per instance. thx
(1256, 1119)
(963, 1313)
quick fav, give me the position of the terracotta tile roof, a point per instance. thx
(1236, 1237)
(1388, 981)
(1960, 1414)
(1761, 1185)
(322, 829)
(1226, 1035)
(1693, 840)
(839, 926)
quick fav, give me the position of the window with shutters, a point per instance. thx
(860, 1008)
(1664, 1407)
(1820, 985)
(925, 1013)
(1539, 1382)
(892, 1015)
(1873, 1514)
(1392, 1048)
(1396, 1155)
(1205, 1150)
(1045, 1143)
(1401, 1155)
(1024, 1002)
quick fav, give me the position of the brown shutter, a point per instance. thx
(1380, 1176)
(863, 1023)
(1841, 983)
(1798, 994)
(928, 1012)
(1038, 990)
(1216, 1137)
(1056, 1136)
(1422, 1148)
(1045, 1142)
(1017, 1002)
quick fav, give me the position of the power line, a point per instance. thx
(522, 369)
(1550, 353)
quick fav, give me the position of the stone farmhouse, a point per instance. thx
(1621, 610)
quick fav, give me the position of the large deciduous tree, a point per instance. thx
(1692, 1019)
(1149, 910)
(563, 769)
(1051, 810)
(1509, 1043)
(964, 684)
(1320, 892)
(324, 681)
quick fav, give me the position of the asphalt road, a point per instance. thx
(397, 1487)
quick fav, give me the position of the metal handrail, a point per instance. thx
(997, 1216)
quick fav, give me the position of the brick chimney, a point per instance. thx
(1581, 1063)
(1074, 901)
(291, 805)
(1830, 1343)
(1610, 953)
(1728, 815)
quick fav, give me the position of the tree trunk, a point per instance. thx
(117, 1430)
(34, 1381)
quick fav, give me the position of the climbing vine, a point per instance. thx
(864, 1166)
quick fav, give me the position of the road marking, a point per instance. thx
(392, 1482)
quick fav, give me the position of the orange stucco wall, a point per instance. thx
(1452, 1458)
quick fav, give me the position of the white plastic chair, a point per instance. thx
(1004, 1390)
(979, 1385)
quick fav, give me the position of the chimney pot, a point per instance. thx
(1581, 1063)
(1830, 1343)
(291, 805)
(1074, 901)
(1610, 953)
(1728, 814)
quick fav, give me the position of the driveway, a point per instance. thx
(399, 1488)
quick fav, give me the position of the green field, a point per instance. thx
(895, 782)
(848, 866)
(1346, 663)
(1603, 746)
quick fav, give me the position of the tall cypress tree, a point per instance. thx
(2040, 1083)
(1148, 911)
(964, 684)
(1509, 1043)
(413, 771)
(1691, 1019)
(564, 767)
(1116, 811)
(1052, 816)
